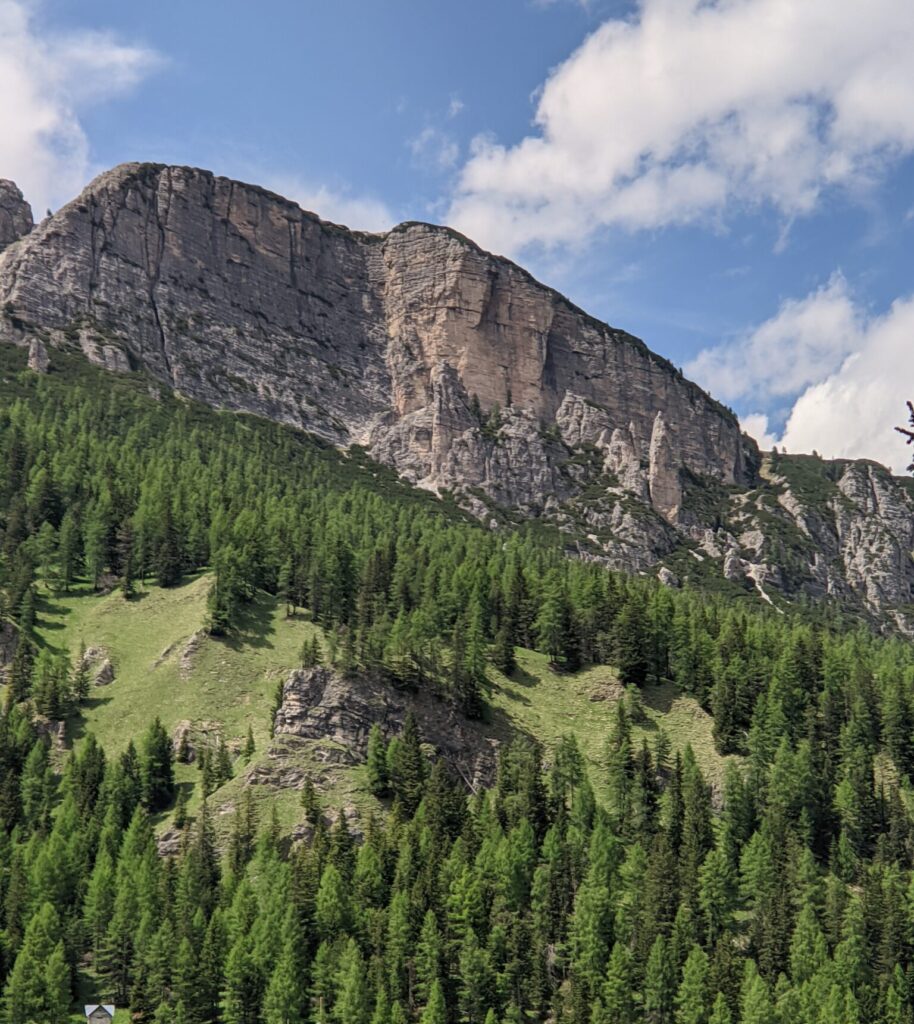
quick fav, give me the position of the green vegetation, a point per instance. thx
(701, 811)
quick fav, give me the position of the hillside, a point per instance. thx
(451, 366)
(166, 666)
(463, 815)
(287, 738)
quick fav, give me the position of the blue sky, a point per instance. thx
(731, 181)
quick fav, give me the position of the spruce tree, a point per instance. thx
(617, 1002)
(659, 984)
(157, 768)
(692, 998)
(376, 763)
(435, 1011)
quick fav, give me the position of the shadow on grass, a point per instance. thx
(253, 625)
(76, 723)
(515, 695)
(659, 698)
(187, 788)
(49, 617)
(523, 677)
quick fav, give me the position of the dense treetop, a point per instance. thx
(784, 897)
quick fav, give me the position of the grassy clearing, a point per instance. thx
(166, 667)
(548, 705)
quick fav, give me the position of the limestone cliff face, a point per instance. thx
(401, 342)
(453, 366)
(15, 214)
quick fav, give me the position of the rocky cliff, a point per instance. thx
(451, 365)
(15, 214)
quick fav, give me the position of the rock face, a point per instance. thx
(39, 360)
(446, 362)
(319, 704)
(96, 662)
(15, 214)
(449, 364)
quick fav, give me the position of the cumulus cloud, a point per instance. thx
(850, 407)
(691, 107)
(47, 81)
(756, 425)
(853, 412)
(362, 213)
(802, 344)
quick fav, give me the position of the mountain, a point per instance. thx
(286, 738)
(452, 366)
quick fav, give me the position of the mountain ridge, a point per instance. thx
(456, 368)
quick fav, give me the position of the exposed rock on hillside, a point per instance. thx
(237, 297)
(319, 704)
(39, 360)
(449, 364)
(15, 214)
(97, 663)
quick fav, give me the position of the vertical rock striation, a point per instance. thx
(15, 214)
(402, 342)
(449, 364)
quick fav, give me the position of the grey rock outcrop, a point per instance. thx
(663, 481)
(239, 298)
(451, 365)
(15, 214)
(39, 360)
(96, 662)
(321, 705)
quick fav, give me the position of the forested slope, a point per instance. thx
(598, 880)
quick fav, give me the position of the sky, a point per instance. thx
(730, 180)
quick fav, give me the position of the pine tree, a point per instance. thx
(631, 642)
(503, 655)
(720, 1013)
(249, 748)
(376, 764)
(223, 764)
(435, 1011)
(167, 559)
(692, 997)
(157, 768)
(284, 1000)
(80, 682)
(755, 1000)
(406, 766)
(618, 1004)
(351, 1005)
(284, 587)
(244, 983)
(659, 984)
(428, 958)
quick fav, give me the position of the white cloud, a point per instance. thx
(434, 149)
(361, 213)
(455, 107)
(807, 340)
(46, 81)
(850, 406)
(852, 413)
(693, 106)
(756, 425)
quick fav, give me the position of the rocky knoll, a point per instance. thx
(453, 366)
(338, 712)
